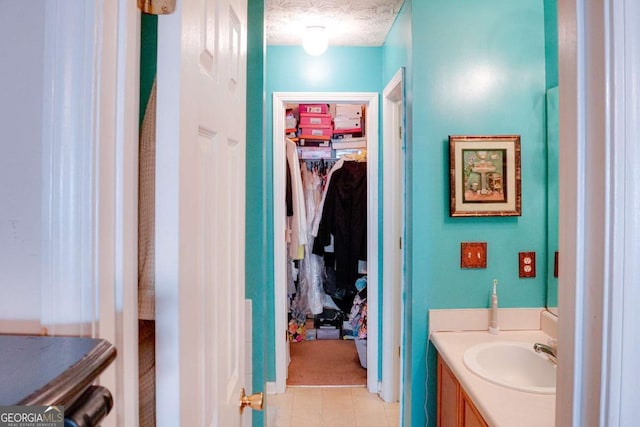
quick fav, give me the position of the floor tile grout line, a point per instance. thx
(330, 394)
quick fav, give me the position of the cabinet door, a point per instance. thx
(448, 396)
(470, 415)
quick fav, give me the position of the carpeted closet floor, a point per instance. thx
(325, 362)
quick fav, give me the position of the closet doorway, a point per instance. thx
(280, 102)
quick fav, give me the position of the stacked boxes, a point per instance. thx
(348, 132)
(348, 135)
(322, 129)
(348, 118)
(316, 123)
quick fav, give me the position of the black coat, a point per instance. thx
(345, 216)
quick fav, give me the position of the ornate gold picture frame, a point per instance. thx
(485, 175)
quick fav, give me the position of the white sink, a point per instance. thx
(512, 364)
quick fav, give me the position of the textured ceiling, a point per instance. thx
(347, 22)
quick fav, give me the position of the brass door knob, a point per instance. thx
(255, 401)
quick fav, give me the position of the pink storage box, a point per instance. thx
(316, 131)
(312, 119)
(313, 108)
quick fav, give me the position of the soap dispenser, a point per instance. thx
(493, 311)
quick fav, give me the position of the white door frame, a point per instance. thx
(280, 99)
(118, 201)
(393, 235)
(101, 60)
(599, 249)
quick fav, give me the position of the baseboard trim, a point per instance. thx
(21, 327)
(271, 388)
(34, 327)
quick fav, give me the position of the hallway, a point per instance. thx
(330, 407)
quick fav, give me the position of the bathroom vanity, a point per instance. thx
(467, 399)
(455, 407)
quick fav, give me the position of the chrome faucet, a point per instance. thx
(550, 349)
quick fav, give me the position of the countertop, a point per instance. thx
(500, 406)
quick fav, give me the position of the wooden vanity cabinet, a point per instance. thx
(455, 409)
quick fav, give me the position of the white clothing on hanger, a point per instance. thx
(298, 223)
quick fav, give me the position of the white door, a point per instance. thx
(200, 203)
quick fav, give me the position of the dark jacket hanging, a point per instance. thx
(345, 216)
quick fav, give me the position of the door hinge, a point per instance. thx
(400, 243)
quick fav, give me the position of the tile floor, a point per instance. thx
(330, 407)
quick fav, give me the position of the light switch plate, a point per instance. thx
(473, 255)
(527, 264)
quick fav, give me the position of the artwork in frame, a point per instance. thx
(485, 175)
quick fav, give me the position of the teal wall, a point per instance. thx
(551, 42)
(148, 58)
(396, 51)
(256, 197)
(478, 68)
(340, 69)
(290, 69)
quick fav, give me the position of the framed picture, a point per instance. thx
(485, 175)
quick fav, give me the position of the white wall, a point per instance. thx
(22, 46)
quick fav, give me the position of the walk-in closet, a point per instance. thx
(326, 201)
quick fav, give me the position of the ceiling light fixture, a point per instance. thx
(315, 40)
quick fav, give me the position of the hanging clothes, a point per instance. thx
(296, 224)
(318, 217)
(310, 297)
(288, 196)
(344, 216)
(329, 284)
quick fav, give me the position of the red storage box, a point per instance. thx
(316, 131)
(313, 108)
(354, 132)
(311, 119)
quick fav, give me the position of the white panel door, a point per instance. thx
(200, 204)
